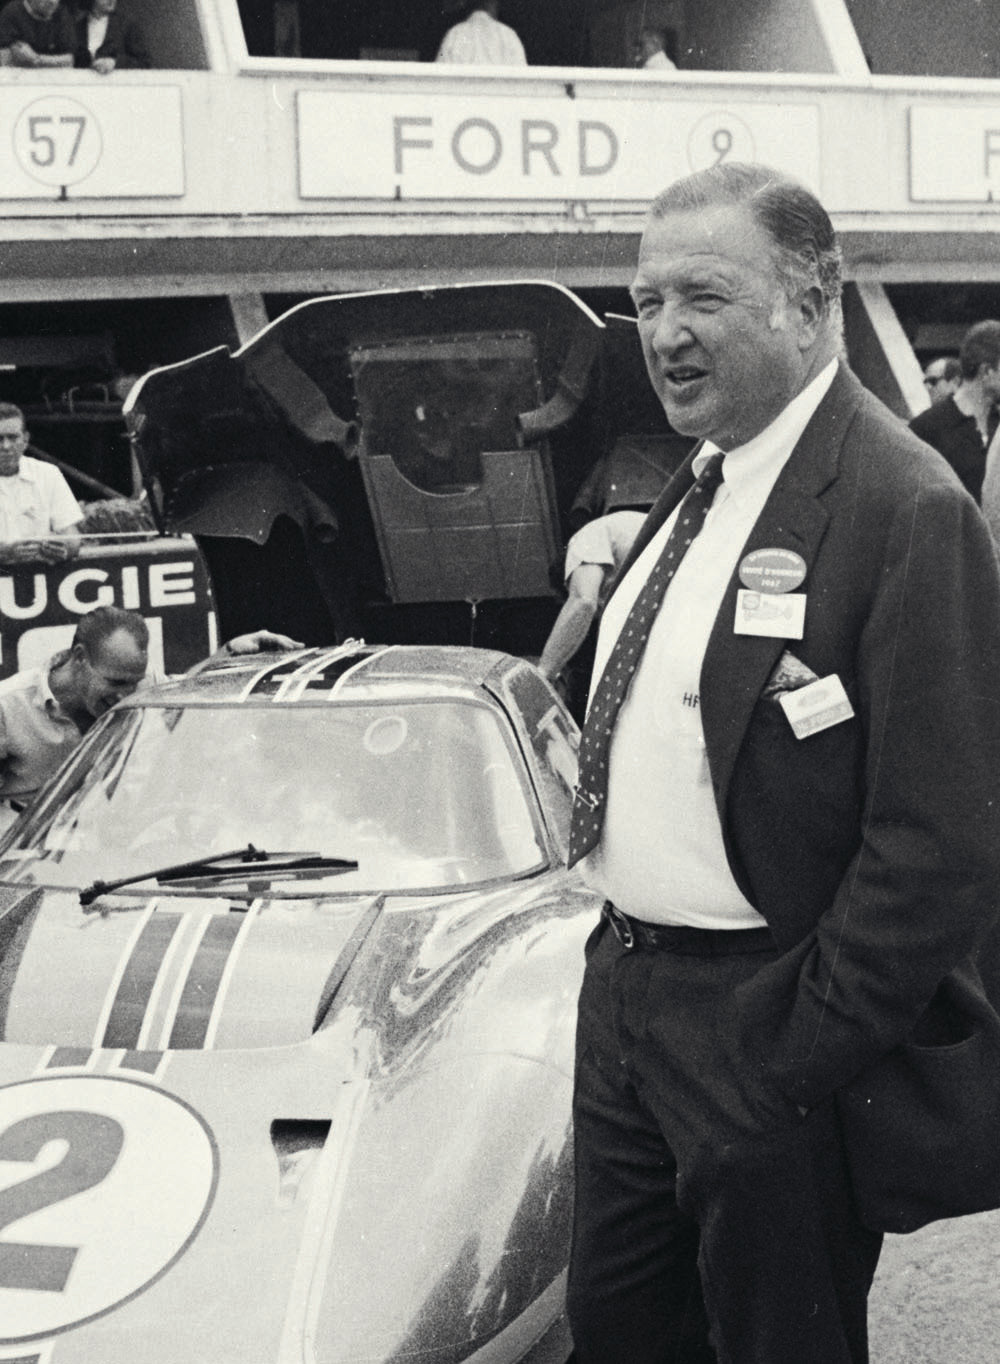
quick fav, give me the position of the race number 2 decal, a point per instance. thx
(84, 1225)
(92, 1144)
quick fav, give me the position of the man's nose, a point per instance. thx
(671, 330)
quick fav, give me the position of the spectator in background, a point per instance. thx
(481, 39)
(37, 33)
(108, 40)
(961, 426)
(35, 501)
(990, 496)
(942, 378)
(650, 51)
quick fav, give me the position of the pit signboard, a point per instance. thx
(164, 579)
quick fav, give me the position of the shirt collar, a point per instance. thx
(25, 472)
(761, 459)
(49, 699)
(45, 690)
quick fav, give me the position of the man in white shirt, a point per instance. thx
(789, 795)
(482, 40)
(44, 712)
(651, 53)
(39, 516)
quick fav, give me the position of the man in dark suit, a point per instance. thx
(961, 425)
(108, 39)
(790, 796)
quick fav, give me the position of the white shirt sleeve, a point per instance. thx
(590, 545)
(64, 510)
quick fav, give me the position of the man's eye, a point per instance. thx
(647, 305)
(708, 302)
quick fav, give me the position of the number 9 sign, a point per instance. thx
(719, 136)
(57, 141)
(103, 1185)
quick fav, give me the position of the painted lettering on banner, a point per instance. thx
(475, 146)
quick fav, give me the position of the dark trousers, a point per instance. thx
(711, 1225)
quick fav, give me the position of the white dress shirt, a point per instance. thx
(36, 502)
(661, 856)
(483, 41)
(97, 31)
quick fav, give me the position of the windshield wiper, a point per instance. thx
(212, 866)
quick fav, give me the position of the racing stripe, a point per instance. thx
(146, 1061)
(73, 1057)
(138, 981)
(15, 929)
(366, 662)
(160, 1017)
(204, 979)
(227, 975)
(321, 672)
(274, 670)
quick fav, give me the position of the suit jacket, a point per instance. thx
(124, 41)
(871, 848)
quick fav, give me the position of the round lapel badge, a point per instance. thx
(772, 570)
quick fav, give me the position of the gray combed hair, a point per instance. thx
(806, 251)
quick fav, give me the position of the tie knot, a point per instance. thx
(711, 475)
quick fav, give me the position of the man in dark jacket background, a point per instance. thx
(961, 426)
(107, 39)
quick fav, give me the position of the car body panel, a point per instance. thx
(343, 1118)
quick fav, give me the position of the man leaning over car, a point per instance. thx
(44, 712)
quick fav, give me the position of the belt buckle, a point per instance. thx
(620, 926)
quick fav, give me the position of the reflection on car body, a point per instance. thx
(319, 1118)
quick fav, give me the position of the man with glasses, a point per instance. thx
(39, 516)
(942, 378)
(961, 426)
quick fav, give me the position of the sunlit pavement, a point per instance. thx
(936, 1297)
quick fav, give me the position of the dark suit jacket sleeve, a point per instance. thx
(132, 51)
(921, 890)
(124, 42)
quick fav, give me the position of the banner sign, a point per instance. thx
(90, 142)
(955, 153)
(163, 579)
(378, 145)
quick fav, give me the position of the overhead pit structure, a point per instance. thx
(187, 206)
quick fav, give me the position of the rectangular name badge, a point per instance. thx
(818, 706)
(779, 615)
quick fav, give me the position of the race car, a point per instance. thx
(289, 958)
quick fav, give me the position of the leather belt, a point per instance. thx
(636, 933)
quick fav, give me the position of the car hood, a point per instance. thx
(350, 1146)
(276, 408)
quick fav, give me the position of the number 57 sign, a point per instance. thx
(97, 143)
(57, 141)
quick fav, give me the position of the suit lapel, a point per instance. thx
(736, 667)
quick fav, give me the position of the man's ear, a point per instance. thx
(811, 311)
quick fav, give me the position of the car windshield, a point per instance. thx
(420, 795)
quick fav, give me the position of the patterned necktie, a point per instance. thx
(592, 784)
